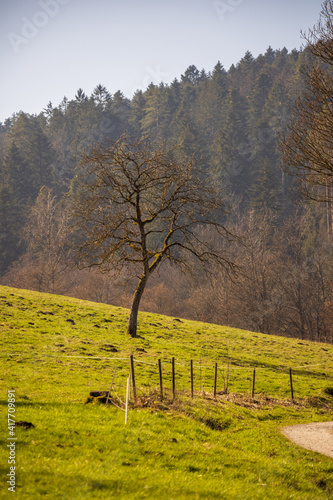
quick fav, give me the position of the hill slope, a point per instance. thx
(55, 350)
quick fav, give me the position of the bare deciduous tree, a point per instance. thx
(307, 146)
(45, 263)
(136, 205)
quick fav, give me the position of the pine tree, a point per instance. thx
(157, 112)
(12, 219)
(191, 75)
(265, 191)
(137, 112)
(101, 96)
(80, 96)
(152, 113)
(231, 151)
(270, 55)
(42, 156)
(257, 100)
(18, 175)
(48, 111)
(210, 103)
(15, 202)
(119, 107)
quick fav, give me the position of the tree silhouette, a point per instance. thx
(136, 205)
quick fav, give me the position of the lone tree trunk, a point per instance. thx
(133, 318)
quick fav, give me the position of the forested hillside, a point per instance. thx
(230, 121)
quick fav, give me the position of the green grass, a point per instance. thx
(228, 448)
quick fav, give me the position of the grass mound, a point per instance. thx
(56, 350)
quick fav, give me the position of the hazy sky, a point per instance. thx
(50, 48)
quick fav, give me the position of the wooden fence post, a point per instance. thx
(173, 378)
(215, 380)
(161, 379)
(253, 382)
(133, 377)
(191, 365)
(291, 384)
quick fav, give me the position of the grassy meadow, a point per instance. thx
(55, 350)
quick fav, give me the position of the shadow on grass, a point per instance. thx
(74, 486)
(38, 405)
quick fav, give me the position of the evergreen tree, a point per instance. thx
(153, 112)
(191, 75)
(265, 191)
(270, 55)
(257, 100)
(245, 74)
(41, 156)
(18, 175)
(12, 219)
(119, 107)
(210, 103)
(158, 112)
(80, 96)
(15, 201)
(101, 96)
(48, 111)
(137, 112)
(231, 150)
(64, 104)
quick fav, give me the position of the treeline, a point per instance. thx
(227, 119)
(230, 121)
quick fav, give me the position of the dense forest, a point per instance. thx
(230, 121)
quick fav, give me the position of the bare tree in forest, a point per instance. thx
(44, 265)
(136, 205)
(308, 144)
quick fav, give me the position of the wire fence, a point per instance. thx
(172, 377)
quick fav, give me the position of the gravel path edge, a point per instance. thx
(314, 437)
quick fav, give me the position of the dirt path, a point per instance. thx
(315, 437)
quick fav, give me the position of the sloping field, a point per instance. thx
(55, 350)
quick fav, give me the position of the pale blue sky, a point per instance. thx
(50, 48)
